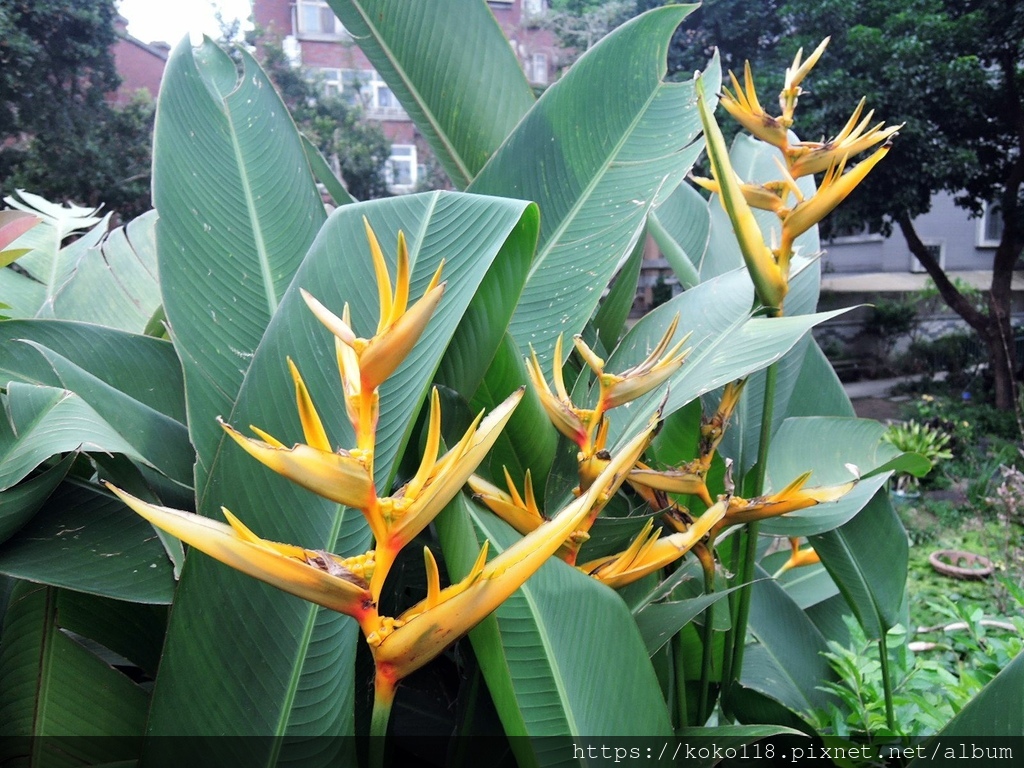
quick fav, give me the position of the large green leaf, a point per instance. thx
(786, 662)
(238, 210)
(563, 643)
(159, 439)
(114, 283)
(47, 266)
(46, 421)
(991, 713)
(595, 186)
(242, 657)
(88, 541)
(153, 378)
(681, 226)
(727, 344)
(53, 685)
(835, 451)
(20, 503)
(452, 70)
(867, 558)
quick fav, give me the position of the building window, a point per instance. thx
(990, 226)
(332, 81)
(937, 249)
(537, 69)
(533, 8)
(314, 18)
(402, 168)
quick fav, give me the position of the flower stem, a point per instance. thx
(746, 575)
(383, 698)
(883, 658)
(707, 640)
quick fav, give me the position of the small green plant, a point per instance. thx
(932, 680)
(915, 437)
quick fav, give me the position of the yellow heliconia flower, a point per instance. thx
(744, 106)
(834, 188)
(795, 75)
(399, 326)
(342, 476)
(573, 422)
(765, 197)
(791, 498)
(770, 281)
(340, 584)
(395, 520)
(712, 430)
(799, 557)
(650, 551)
(809, 157)
(586, 426)
(521, 512)
(687, 479)
(636, 381)
(426, 629)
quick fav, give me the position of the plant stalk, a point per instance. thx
(746, 575)
(883, 658)
(383, 698)
(707, 640)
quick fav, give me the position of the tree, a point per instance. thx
(953, 73)
(337, 128)
(63, 140)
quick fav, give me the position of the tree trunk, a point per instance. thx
(993, 326)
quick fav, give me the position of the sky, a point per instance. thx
(151, 20)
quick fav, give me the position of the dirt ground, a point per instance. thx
(876, 408)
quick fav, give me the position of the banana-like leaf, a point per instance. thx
(20, 503)
(596, 186)
(88, 541)
(681, 226)
(46, 421)
(989, 714)
(238, 210)
(785, 663)
(659, 622)
(835, 451)
(529, 440)
(451, 69)
(867, 558)
(242, 657)
(323, 173)
(159, 439)
(48, 265)
(727, 344)
(614, 310)
(54, 685)
(153, 379)
(564, 643)
(114, 283)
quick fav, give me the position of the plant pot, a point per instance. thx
(958, 564)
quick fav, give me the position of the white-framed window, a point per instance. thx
(853, 233)
(332, 81)
(937, 248)
(401, 168)
(537, 68)
(314, 18)
(990, 226)
(533, 8)
(378, 99)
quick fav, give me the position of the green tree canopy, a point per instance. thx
(336, 127)
(65, 141)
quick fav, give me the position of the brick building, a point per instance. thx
(140, 65)
(314, 38)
